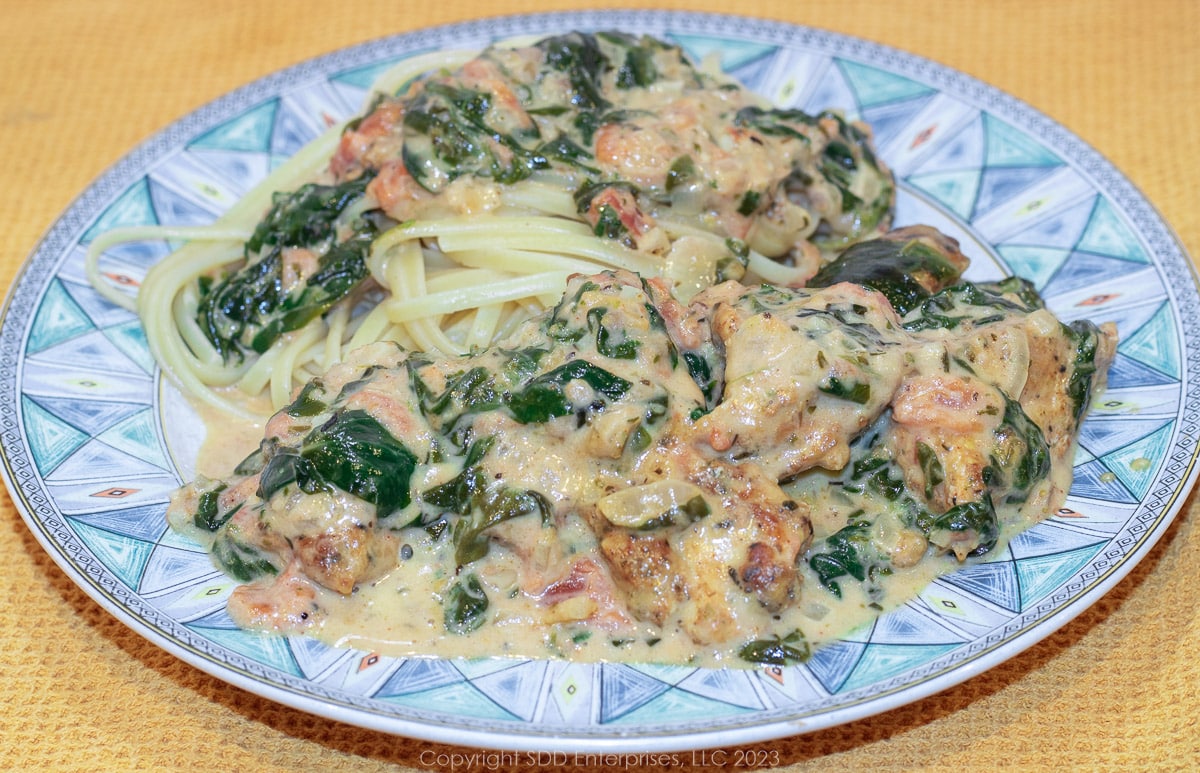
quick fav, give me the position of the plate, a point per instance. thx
(94, 440)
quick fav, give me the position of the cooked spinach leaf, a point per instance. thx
(975, 519)
(844, 555)
(902, 270)
(951, 306)
(353, 452)
(855, 391)
(249, 309)
(1020, 458)
(207, 516)
(240, 560)
(491, 508)
(625, 349)
(1085, 336)
(465, 606)
(777, 651)
(543, 398)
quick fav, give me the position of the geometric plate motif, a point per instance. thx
(91, 459)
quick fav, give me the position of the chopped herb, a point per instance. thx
(749, 203)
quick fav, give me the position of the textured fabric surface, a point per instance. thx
(82, 82)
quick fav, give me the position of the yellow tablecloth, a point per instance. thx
(82, 81)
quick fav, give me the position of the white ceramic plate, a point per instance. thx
(94, 440)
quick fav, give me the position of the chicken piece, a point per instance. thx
(287, 603)
(703, 562)
(805, 372)
(943, 436)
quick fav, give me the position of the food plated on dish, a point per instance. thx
(104, 439)
(579, 349)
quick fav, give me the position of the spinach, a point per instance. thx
(856, 392)
(339, 271)
(693, 510)
(838, 166)
(465, 606)
(609, 224)
(586, 193)
(491, 508)
(471, 391)
(579, 56)
(1085, 337)
(253, 463)
(240, 560)
(845, 157)
(701, 372)
(624, 350)
(900, 269)
(447, 128)
(640, 438)
(353, 452)
(250, 308)
(776, 122)
(844, 556)
(1018, 288)
(543, 399)
(951, 306)
(977, 517)
(931, 468)
(479, 505)
(207, 517)
(734, 266)
(681, 173)
(307, 216)
(457, 494)
(637, 70)
(776, 651)
(1020, 458)
(562, 149)
(305, 404)
(749, 203)
(873, 475)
